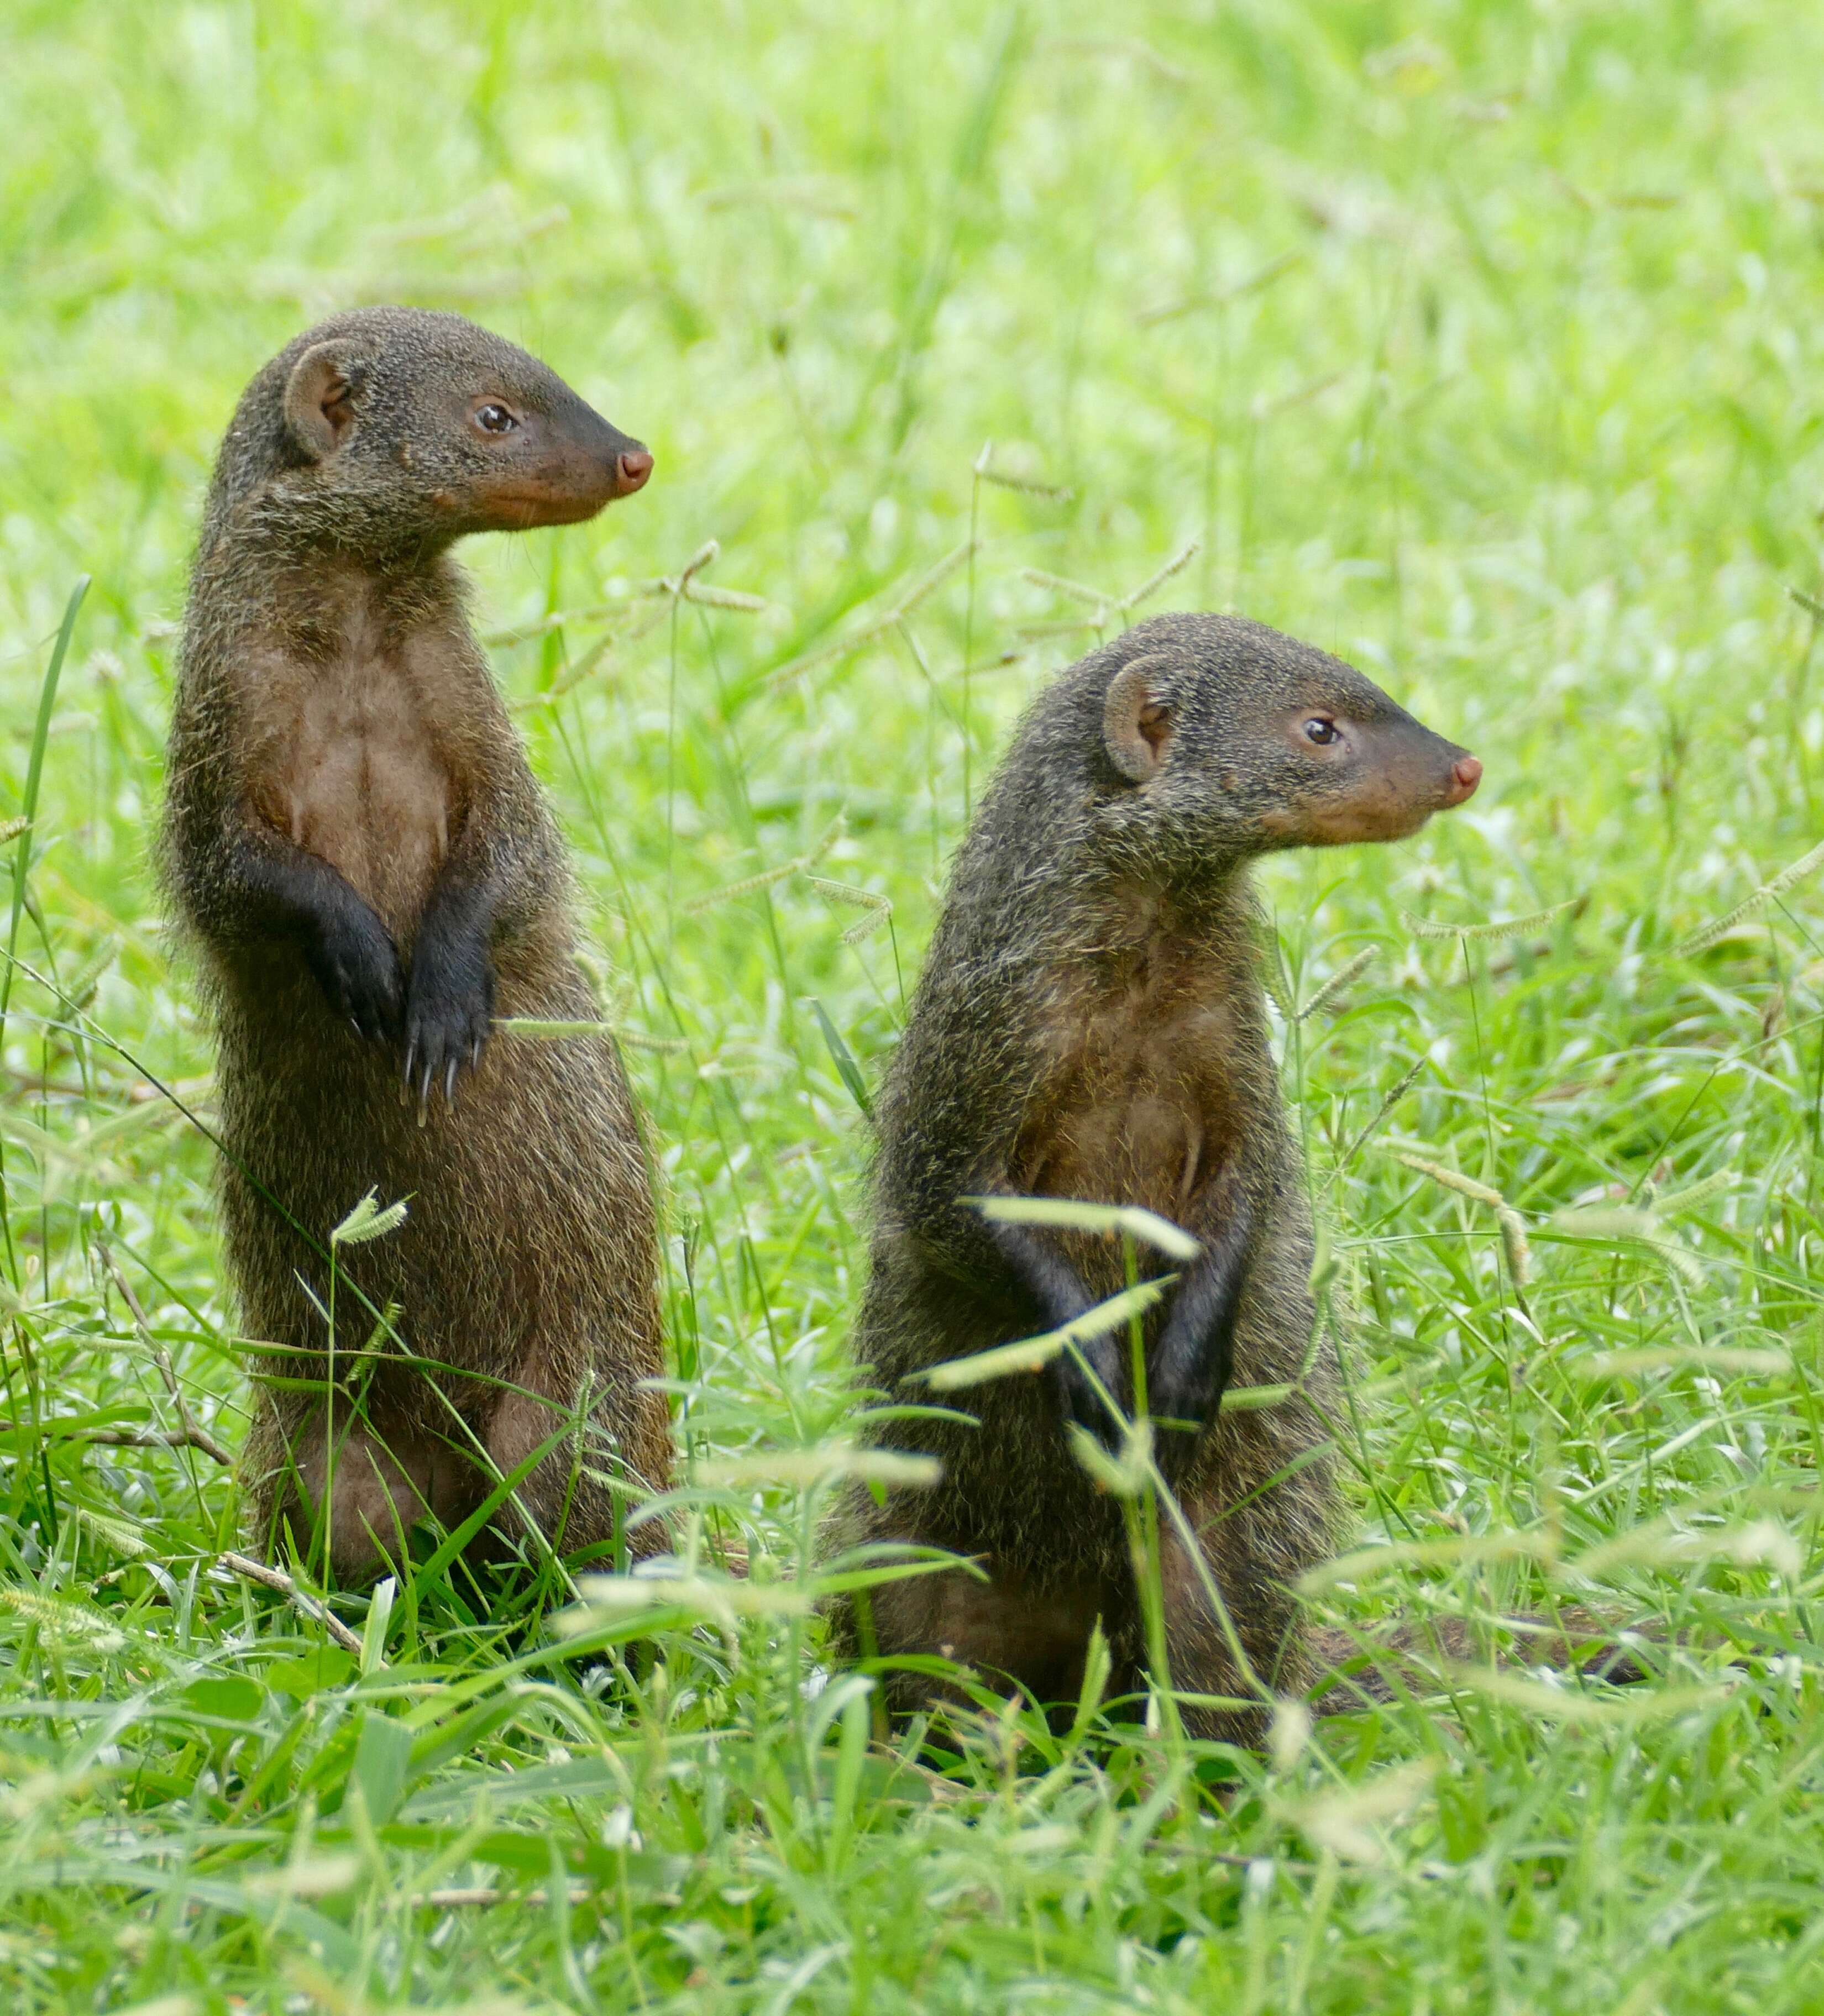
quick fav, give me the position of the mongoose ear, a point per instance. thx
(319, 397)
(1137, 718)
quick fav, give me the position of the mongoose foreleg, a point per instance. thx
(264, 881)
(449, 998)
(1189, 1368)
(1189, 1364)
(1057, 1287)
(485, 893)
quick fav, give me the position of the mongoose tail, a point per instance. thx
(1091, 1025)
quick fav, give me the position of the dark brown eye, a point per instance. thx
(494, 420)
(1319, 731)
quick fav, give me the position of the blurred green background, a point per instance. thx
(1475, 342)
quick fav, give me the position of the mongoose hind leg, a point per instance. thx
(569, 1494)
(1006, 1628)
(350, 1488)
(1261, 1618)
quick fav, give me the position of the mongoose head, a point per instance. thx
(1222, 739)
(391, 429)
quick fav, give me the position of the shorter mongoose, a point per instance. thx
(1090, 1025)
(358, 847)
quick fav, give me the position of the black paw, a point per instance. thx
(1187, 1376)
(356, 965)
(449, 1011)
(1077, 1391)
(1173, 1447)
(1191, 1365)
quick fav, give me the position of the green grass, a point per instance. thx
(1477, 342)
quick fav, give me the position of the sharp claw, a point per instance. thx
(449, 1078)
(475, 1053)
(411, 1058)
(424, 1088)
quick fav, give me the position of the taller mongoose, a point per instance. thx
(1090, 1025)
(358, 846)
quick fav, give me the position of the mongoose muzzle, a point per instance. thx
(399, 430)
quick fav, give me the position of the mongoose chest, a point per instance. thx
(352, 767)
(1137, 1098)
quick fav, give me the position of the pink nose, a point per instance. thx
(1465, 775)
(632, 470)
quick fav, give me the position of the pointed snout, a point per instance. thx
(565, 470)
(1465, 775)
(617, 465)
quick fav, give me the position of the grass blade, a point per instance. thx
(847, 1069)
(34, 771)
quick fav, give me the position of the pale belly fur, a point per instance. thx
(1135, 1107)
(354, 775)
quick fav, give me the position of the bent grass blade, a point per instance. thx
(1067, 1215)
(1033, 1354)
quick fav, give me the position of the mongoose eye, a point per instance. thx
(1321, 732)
(494, 420)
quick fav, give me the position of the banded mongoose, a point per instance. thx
(357, 845)
(1090, 1025)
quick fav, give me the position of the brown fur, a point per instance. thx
(1090, 1025)
(359, 850)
